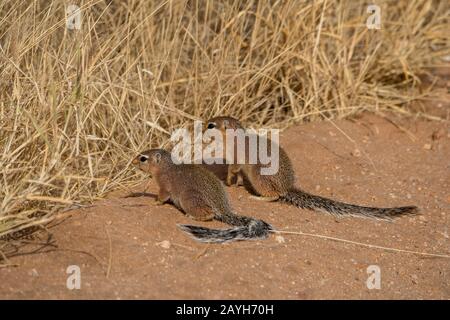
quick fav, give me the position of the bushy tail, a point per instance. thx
(246, 228)
(305, 200)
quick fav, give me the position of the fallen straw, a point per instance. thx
(363, 244)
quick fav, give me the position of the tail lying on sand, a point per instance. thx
(253, 230)
(305, 200)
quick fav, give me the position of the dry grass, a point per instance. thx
(76, 106)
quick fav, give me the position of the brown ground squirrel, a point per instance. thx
(200, 195)
(280, 186)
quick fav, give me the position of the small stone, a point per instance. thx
(423, 218)
(164, 244)
(356, 153)
(427, 146)
(280, 239)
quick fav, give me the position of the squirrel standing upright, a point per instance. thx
(200, 195)
(280, 186)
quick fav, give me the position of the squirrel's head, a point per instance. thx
(223, 123)
(151, 160)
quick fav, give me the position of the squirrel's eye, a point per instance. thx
(211, 125)
(143, 159)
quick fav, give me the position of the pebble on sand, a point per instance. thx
(164, 244)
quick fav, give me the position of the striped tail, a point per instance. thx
(254, 230)
(305, 200)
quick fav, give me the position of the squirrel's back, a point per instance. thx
(281, 184)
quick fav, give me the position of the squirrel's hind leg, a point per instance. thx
(196, 208)
(200, 214)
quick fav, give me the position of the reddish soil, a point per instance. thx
(127, 247)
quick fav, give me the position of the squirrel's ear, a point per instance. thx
(226, 124)
(157, 157)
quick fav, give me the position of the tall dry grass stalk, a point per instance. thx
(77, 105)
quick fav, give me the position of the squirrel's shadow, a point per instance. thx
(141, 194)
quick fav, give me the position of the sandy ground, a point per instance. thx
(127, 247)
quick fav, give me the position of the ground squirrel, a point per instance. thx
(200, 195)
(280, 186)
